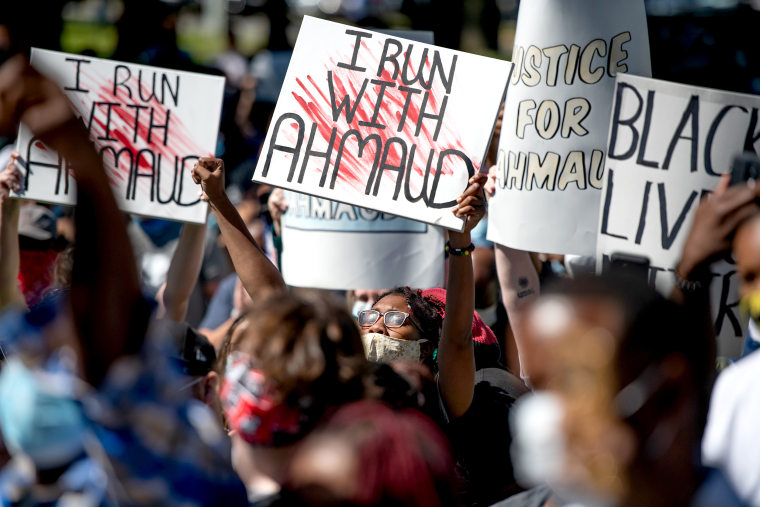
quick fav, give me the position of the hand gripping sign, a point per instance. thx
(381, 122)
(149, 125)
(551, 152)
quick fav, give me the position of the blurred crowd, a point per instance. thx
(147, 362)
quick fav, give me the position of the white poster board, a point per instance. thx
(380, 122)
(149, 124)
(554, 133)
(329, 245)
(668, 146)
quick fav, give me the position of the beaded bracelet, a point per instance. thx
(458, 251)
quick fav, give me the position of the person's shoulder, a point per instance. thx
(534, 497)
(732, 415)
(496, 386)
(495, 391)
(740, 378)
(501, 379)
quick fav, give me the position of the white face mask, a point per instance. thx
(379, 348)
(539, 449)
(360, 306)
(538, 444)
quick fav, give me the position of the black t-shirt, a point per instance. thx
(481, 438)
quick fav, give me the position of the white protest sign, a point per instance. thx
(668, 146)
(149, 124)
(554, 133)
(329, 245)
(380, 122)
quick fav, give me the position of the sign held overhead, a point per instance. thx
(146, 124)
(668, 146)
(385, 123)
(550, 164)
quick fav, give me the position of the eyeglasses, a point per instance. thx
(391, 318)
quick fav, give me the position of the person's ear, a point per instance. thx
(426, 349)
(210, 389)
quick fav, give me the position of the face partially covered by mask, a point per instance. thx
(746, 246)
(750, 305)
(569, 434)
(538, 448)
(253, 408)
(43, 424)
(359, 306)
(380, 348)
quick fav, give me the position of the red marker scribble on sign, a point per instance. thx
(128, 126)
(314, 100)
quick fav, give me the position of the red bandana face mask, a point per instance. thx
(251, 408)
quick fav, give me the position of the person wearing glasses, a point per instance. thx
(441, 330)
(390, 333)
(407, 324)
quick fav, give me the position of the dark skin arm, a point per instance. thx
(106, 302)
(718, 216)
(456, 354)
(259, 276)
(716, 220)
(105, 294)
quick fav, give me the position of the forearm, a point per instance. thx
(9, 255)
(258, 275)
(456, 357)
(183, 271)
(520, 286)
(105, 293)
(692, 290)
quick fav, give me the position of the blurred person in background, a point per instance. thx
(728, 222)
(618, 411)
(368, 454)
(148, 35)
(440, 330)
(415, 330)
(362, 299)
(285, 366)
(30, 243)
(152, 441)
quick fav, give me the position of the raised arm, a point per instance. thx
(10, 179)
(106, 303)
(715, 221)
(257, 273)
(519, 284)
(184, 269)
(456, 355)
